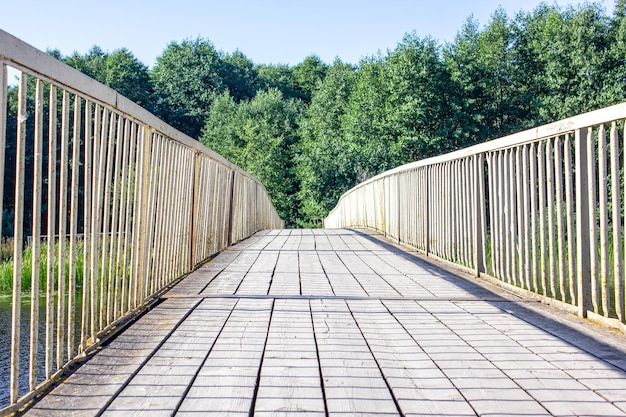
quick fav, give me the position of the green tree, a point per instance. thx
(93, 63)
(239, 75)
(615, 91)
(128, 76)
(571, 52)
(119, 70)
(326, 161)
(260, 136)
(308, 74)
(366, 124)
(488, 99)
(419, 96)
(186, 79)
(279, 77)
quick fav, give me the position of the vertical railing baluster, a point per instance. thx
(99, 234)
(116, 221)
(520, 242)
(623, 178)
(571, 231)
(506, 219)
(131, 184)
(107, 231)
(74, 210)
(18, 238)
(120, 274)
(502, 207)
(90, 119)
(616, 206)
(469, 206)
(527, 263)
(63, 217)
(543, 258)
(51, 232)
(592, 223)
(604, 221)
(534, 261)
(478, 204)
(558, 174)
(492, 202)
(3, 124)
(550, 206)
(583, 214)
(36, 235)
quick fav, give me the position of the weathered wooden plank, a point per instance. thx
(300, 353)
(226, 381)
(89, 389)
(419, 386)
(352, 380)
(290, 378)
(162, 381)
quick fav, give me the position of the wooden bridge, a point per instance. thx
(171, 288)
(341, 322)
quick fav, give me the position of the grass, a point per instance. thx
(6, 266)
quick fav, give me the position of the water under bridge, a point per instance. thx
(488, 281)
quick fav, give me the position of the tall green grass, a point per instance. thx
(6, 266)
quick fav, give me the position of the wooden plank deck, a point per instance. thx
(342, 323)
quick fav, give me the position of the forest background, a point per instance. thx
(312, 131)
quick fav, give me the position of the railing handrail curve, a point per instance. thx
(540, 211)
(560, 127)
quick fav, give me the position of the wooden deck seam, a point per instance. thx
(467, 400)
(204, 360)
(319, 362)
(380, 368)
(351, 273)
(330, 284)
(147, 359)
(488, 360)
(257, 384)
(347, 297)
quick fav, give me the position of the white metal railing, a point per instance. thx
(151, 203)
(541, 210)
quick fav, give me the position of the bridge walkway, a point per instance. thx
(344, 323)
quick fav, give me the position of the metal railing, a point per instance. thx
(150, 202)
(540, 210)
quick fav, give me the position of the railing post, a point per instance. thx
(398, 206)
(427, 206)
(18, 248)
(582, 222)
(192, 220)
(231, 209)
(479, 215)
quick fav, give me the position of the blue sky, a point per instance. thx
(267, 31)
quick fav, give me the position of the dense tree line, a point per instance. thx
(311, 131)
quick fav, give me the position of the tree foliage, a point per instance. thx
(260, 136)
(312, 131)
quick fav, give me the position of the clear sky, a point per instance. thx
(267, 31)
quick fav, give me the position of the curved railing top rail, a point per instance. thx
(560, 127)
(22, 56)
(541, 211)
